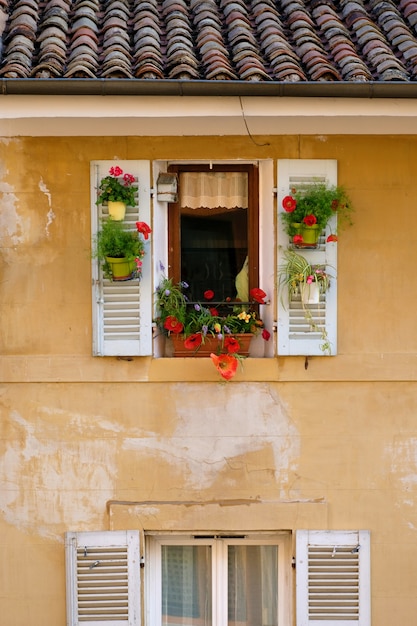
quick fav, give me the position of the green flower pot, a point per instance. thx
(121, 269)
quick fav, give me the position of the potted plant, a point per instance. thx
(221, 330)
(298, 276)
(121, 249)
(308, 211)
(117, 191)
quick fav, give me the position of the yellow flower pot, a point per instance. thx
(117, 210)
(121, 269)
(310, 235)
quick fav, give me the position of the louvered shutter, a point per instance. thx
(103, 578)
(122, 311)
(297, 335)
(333, 578)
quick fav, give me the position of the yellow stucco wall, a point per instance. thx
(330, 446)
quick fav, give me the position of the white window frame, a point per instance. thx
(267, 279)
(219, 544)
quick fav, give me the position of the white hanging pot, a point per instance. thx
(117, 210)
(310, 293)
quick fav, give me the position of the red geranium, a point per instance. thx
(258, 295)
(116, 171)
(144, 229)
(289, 203)
(231, 345)
(331, 238)
(173, 325)
(226, 364)
(310, 220)
(209, 294)
(193, 341)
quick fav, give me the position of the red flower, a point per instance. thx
(226, 364)
(335, 205)
(332, 238)
(209, 294)
(289, 203)
(128, 179)
(144, 229)
(214, 312)
(193, 341)
(115, 171)
(266, 334)
(310, 220)
(173, 325)
(258, 295)
(231, 345)
(297, 239)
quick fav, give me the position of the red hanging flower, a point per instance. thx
(144, 229)
(226, 364)
(258, 295)
(173, 325)
(209, 294)
(231, 345)
(297, 239)
(266, 334)
(193, 341)
(331, 238)
(289, 203)
(310, 220)
(335, 204)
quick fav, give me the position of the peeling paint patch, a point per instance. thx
(215, 436)
(50, 215)
(48, 482)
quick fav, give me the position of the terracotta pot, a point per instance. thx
(211, 344)
(117, 210)
(121, 269)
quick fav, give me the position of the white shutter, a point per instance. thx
(333, 578)
(122, 311)
(296, 335)
(103, 578)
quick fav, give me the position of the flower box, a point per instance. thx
(211, 344)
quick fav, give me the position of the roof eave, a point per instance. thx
(149, 87)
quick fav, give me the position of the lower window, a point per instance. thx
(217, 580)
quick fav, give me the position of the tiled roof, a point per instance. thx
(279, 41)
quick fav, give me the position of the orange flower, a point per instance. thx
(226, 364)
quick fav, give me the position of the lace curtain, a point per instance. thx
(211, 190)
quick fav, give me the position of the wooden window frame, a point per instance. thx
(174, 222)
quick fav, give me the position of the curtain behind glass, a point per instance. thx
(186, 586)
(253, 585)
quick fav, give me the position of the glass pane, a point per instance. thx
(253, 585)
(186, 586)
(214, 247)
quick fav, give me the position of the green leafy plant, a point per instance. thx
(117, 187)
(297, 273)
(314, 205)
(115, 240)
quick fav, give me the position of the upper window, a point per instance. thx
(226, 581)
(213, 231)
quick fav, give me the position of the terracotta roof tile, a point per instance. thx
(194, 40)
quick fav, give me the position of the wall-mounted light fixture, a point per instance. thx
(167, 187)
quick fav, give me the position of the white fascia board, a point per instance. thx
(38, 116)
